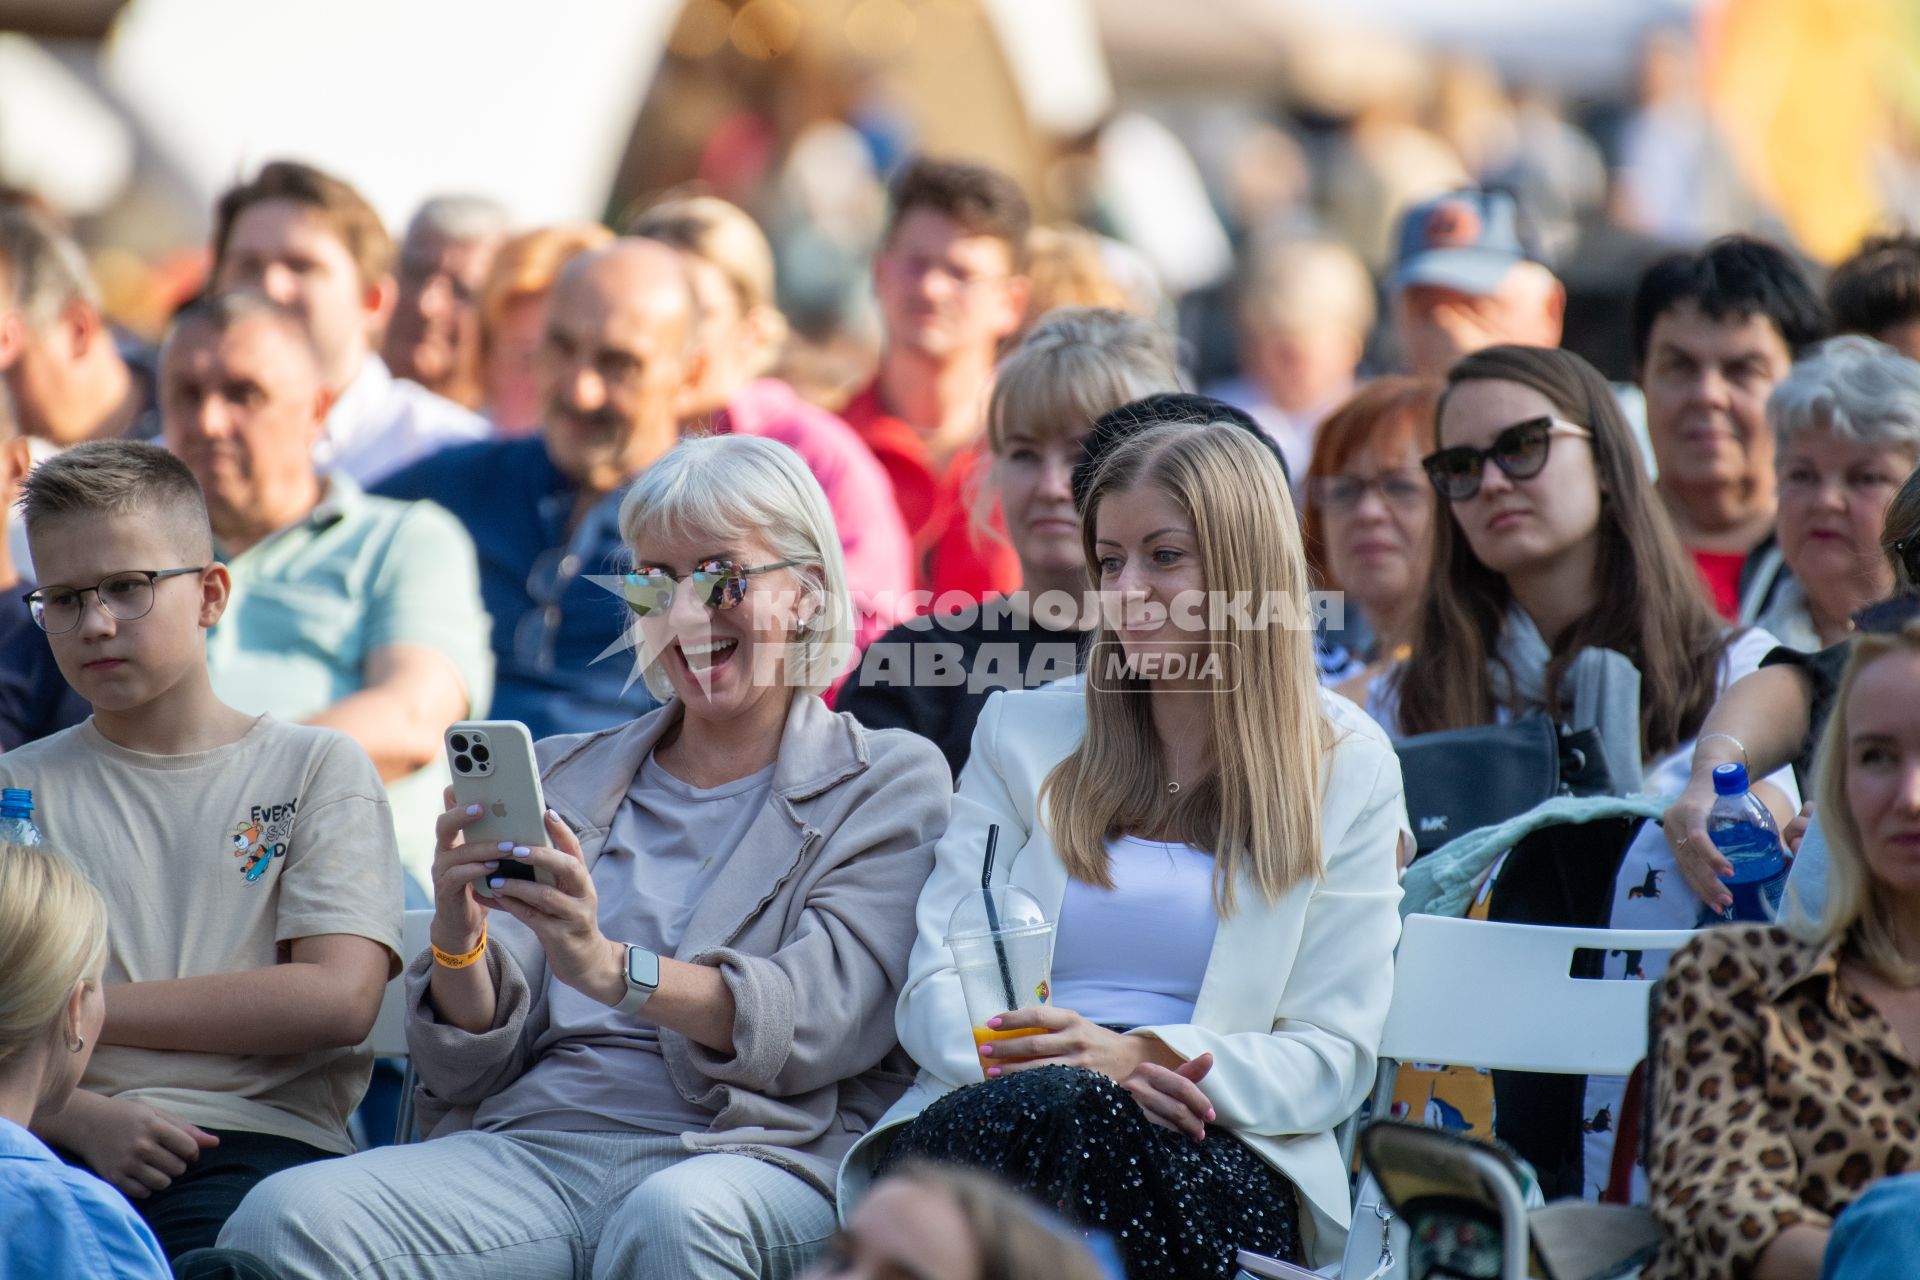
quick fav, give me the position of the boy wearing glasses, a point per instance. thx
(248, 864)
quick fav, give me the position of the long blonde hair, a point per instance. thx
(53, 933)
(1258, 812)
(1856, 914)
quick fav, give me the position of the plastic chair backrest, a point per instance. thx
(389, 1038)
(1478, 993)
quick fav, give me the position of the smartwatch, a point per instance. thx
(643, 979)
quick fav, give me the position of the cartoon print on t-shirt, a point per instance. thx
(262, 836)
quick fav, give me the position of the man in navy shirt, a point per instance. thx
(543, 511)
(34, 700)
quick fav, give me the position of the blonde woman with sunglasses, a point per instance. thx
(652, 1065)
(1553, 543)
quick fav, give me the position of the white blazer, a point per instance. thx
(1295, 993)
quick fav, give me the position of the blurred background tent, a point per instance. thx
(1187, 133)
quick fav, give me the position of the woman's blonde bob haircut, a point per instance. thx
(1859, 912)
(726, 236)
(1073, 366)
(1258, 812)
(725, 488)
(53, 934)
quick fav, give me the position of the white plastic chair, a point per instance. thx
(389, 1036)
(1480, 993)
(1497, 996)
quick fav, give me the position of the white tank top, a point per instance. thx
(1134, 955)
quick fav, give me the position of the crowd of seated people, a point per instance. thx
(792, 671)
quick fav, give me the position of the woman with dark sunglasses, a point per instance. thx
(1554, 543)
(650, 1061)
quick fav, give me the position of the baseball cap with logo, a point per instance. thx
(1466, 240)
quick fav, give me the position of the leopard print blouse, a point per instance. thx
(1779, 1097)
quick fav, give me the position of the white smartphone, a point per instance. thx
(493, 767)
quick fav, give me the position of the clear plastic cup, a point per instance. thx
(1002, 945)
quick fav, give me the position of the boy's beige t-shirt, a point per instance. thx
(214, 862)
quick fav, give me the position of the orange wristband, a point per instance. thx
(447, 960)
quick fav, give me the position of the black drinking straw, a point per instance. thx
(993, 918)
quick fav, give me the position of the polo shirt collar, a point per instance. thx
(339, 498)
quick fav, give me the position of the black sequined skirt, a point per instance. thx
(1073, 1139)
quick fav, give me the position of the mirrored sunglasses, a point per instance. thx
(718, 584)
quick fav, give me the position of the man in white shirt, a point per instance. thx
(433, 337)
(311, 243)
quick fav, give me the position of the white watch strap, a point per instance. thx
(637, 995)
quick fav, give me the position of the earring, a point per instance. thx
(79, 1043)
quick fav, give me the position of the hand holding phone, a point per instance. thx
(493, 766)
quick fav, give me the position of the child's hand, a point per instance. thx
(1797, 829)
(133, 1146)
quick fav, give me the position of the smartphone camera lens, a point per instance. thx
(462, 765)
(480, 754)
(458, 741)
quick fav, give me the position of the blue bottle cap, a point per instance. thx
(1729, 779)
(16, 798)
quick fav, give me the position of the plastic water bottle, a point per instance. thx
(16, 817)
(1744, 832)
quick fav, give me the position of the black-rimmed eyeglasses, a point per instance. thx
(126, 595)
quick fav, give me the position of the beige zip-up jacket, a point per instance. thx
(810, 923)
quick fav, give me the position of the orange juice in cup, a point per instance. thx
(987, 1035)
(1003, 952)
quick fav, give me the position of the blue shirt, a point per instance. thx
(56, 1220)
(314, 602)
(552, 621)
(35, 699)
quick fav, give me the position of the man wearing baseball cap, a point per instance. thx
(1467, 276)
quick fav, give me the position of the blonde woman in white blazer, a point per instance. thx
(1245, 826)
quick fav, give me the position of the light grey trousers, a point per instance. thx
(526, 1204)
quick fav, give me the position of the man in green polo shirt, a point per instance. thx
(359, 613)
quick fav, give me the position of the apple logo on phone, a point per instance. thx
(499, 809)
